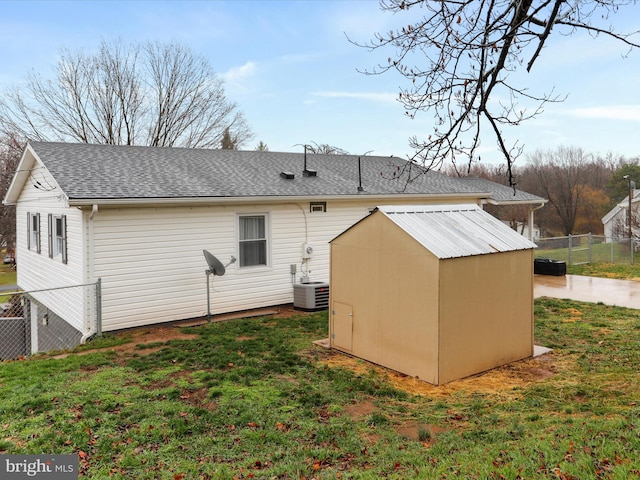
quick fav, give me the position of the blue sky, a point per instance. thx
(290, 69)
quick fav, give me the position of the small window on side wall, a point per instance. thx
(317, 207)
(252, 237)
(33, 232)
(58, 237)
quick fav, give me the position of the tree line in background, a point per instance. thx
(580, 187)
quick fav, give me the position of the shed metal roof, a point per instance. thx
(452, 231)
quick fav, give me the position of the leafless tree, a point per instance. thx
(563, 178)
(10, 151)
(325, 148)
(458, 57)
(151, 94)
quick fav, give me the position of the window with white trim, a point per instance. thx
(58, 237)
(252, 239)
(33, 231)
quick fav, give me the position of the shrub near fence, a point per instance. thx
(581, 249)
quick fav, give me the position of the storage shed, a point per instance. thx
(439, 292)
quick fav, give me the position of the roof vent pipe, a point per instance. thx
(360, 189)
(306, 172)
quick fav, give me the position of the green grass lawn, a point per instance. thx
(607, 270)
(7, 274)
(255, 399)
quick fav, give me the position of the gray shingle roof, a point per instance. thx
(86, 171)
(501, 193)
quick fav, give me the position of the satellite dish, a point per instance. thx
(215, 266)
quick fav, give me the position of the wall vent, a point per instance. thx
(311, 296)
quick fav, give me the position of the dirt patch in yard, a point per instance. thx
(505, 380)
(413, 430)
(360, 410)
(199, 398)
(161, 334)
(140, 337)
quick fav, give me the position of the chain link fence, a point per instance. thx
(588, 248)
(49, 319)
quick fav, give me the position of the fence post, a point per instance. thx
(569, 250)
(612, 242)
(590, 248)
(631, 244)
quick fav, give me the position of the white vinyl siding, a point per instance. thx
(38, 272)
(152, 274)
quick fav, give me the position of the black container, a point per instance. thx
(548, 266)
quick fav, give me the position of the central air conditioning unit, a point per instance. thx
(311, 296)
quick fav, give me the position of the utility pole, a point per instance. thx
(632, 186)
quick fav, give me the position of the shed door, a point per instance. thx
(342, 334)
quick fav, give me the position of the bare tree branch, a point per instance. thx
(458, 58)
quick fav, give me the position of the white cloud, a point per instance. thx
(237, 79)
(375, 97)
(609, 112)
(239, 74)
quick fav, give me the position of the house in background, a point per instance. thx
(139, 218)
(616, 221)
(438, 292)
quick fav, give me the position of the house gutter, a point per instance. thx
(121, 202)
(94, 327)
(541, 202)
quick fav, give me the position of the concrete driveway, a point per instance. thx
(621, 293)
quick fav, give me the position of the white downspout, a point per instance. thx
(531, 224)
(93, 327)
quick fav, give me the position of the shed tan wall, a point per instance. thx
(486, 312)
(391, 284)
